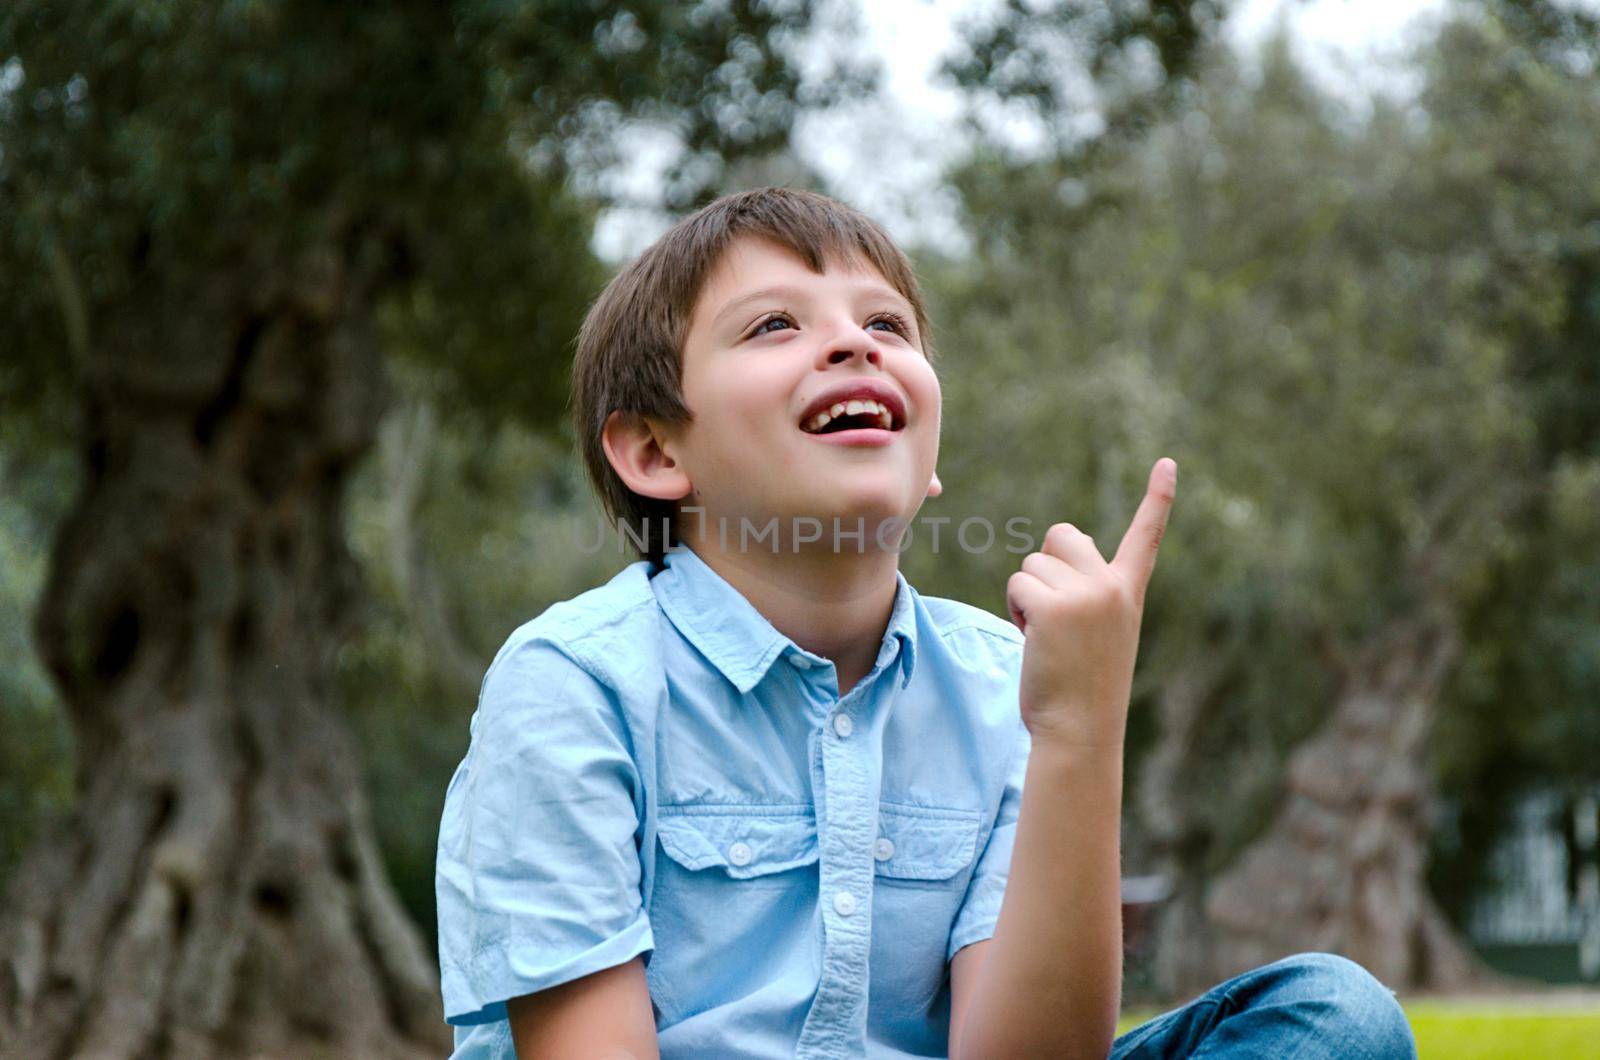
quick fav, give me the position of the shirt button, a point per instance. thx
(843, 725)
(883, 849)
(739, 853)
(844, 903)
(800, 662)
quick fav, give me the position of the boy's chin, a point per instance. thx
(869, 504)
(868, 517)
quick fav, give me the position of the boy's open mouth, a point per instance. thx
(867, 407)
(845, 415)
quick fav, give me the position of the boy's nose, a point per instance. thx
(859, 346)
(840, 356)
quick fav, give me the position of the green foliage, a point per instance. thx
(1363, 340)
(36, 773)
(154, 150)
(1116, 65)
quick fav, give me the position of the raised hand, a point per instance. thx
(1080, 618)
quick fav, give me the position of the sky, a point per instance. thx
(885, 158)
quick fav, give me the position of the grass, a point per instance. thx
(1488, 1029)
(1470, 1030)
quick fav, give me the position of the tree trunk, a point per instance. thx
(1342, 866)
(218, 891)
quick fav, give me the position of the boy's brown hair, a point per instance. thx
(630, 349)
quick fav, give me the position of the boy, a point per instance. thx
(756, 796)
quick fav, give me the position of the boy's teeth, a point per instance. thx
(851, 408)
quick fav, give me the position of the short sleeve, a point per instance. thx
(980, 909)
(538, 872)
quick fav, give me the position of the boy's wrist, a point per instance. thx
(1078, 738)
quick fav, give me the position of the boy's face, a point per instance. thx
(770, 344)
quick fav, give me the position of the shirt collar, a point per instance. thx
(738, 640)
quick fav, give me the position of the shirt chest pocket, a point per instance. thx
(733, 903)
(923, 860)
(924, 843)
(742, 843)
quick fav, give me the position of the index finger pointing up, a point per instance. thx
(1136, 556)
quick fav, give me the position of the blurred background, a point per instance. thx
(287, 299)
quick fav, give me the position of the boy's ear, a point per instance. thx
(633, 445)
(935, 487)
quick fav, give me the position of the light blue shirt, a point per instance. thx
(655, 769)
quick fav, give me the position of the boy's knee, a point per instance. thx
(1346, 1000)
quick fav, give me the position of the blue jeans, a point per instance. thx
(1312, 1006)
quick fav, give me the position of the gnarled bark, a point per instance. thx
(1342, 866)
(218, 891)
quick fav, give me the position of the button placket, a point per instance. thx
(836, 1024)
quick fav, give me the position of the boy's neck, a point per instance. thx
(832, 604)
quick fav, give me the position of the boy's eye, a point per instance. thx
(778, 318)
(896, 322)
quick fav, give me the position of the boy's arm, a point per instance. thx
(1050, 982)
(538, 878)
(602, 1016)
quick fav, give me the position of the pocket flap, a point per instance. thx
(744, 841)
(926, 842)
